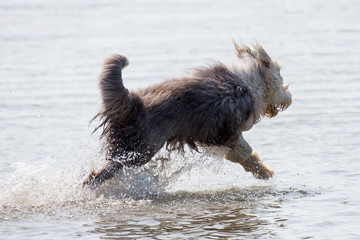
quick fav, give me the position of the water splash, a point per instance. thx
(53, 184)
(38, 184)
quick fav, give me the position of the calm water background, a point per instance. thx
(50, 55)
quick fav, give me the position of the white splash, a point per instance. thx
(38, 184)
(55, 182)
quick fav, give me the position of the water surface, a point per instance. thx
(51, 53)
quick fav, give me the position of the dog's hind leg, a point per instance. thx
(242, 153)
(96, 179)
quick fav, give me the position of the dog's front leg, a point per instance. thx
(242, 153)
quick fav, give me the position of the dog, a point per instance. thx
(212, 106)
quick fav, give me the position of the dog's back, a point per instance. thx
(206, 108)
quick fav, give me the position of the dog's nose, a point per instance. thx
(286, 86)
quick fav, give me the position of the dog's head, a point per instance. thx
(275, 95)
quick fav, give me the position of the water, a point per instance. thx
(51, 53)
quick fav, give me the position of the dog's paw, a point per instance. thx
(262, 172)
(254, 165)
(90, 180)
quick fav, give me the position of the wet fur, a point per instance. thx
(211, 106)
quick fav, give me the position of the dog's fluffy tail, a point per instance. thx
(119, 106)
(111, 83)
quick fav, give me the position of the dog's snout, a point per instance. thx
(286, 86)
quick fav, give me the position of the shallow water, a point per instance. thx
(50, 55)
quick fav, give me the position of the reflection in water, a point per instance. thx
(250, 213)
(211, 222)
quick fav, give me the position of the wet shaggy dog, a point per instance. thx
(211, 106)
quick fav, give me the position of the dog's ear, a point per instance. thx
(241, 50)
(262, 56)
